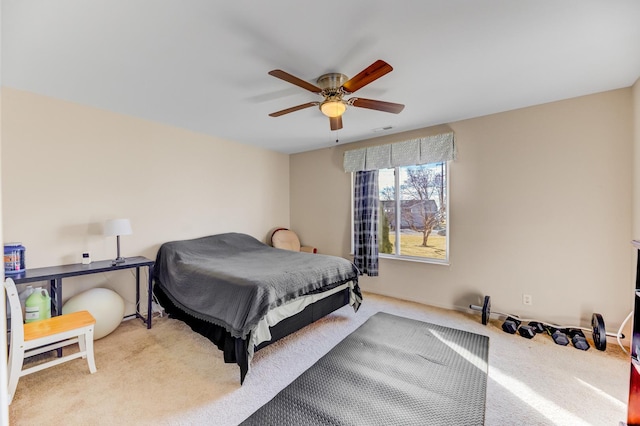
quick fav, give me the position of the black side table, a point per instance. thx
(55, 274)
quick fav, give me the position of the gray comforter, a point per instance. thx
(233, 280)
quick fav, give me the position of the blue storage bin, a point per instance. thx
(14, 261)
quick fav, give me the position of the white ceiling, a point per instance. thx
(202, 64)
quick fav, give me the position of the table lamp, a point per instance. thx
(115, 228)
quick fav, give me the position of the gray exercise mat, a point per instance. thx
(390, 371)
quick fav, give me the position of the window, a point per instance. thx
(414, 212)
(411, 202)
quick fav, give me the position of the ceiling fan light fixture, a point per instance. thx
(334, 86)
(333, 108)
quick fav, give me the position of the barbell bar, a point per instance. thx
(597, 329)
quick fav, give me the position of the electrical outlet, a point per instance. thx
(527, 299)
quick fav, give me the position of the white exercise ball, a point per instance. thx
(106, 306)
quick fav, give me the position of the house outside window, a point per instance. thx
(413, 219)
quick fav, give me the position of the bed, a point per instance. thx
(244, 295)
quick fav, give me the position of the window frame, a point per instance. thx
(407, 258)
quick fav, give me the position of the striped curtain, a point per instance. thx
(366, 222)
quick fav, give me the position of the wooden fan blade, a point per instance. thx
(366, 76)
(377, 105)
(292, 109)
(335, 122)
(282, 75)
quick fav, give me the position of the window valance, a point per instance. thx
(430, 149)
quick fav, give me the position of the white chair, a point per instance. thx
(43, 336)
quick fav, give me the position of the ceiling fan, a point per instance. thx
(334, 87)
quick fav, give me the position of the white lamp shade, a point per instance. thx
(116, 227)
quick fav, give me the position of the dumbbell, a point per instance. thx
(530, 330)
(510, 325)
(597, 324)
(578, 339)
(558, 336)
(537, 326)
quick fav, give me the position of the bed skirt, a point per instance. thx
(235, 350)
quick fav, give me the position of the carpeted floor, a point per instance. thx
(171, 376)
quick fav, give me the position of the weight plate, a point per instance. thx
(486, 310)
(599, 332)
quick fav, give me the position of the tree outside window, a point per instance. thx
(419, 194)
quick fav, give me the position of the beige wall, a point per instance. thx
(67, 168)
(541, 199)
(540, 203)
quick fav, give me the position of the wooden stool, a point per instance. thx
(43, 336)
